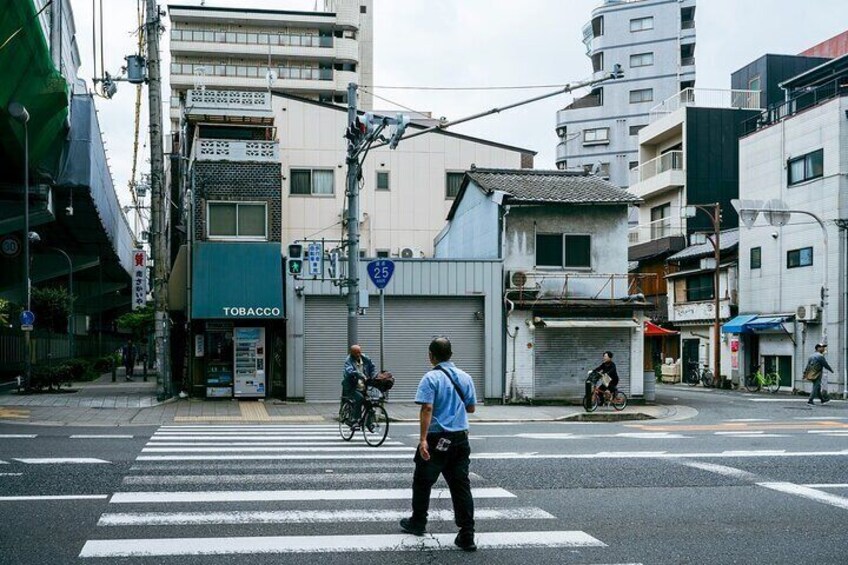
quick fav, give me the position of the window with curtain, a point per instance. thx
(312, 182)
(806, 167)
(700, 287)
(453, 183)
(799, 257)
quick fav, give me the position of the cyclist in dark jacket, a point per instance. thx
(608, 368)
(358, 371)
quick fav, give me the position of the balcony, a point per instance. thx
(347, 50)
(698, 311)
(706, 98)
(233, 150)
(539, 287)
(658, 175)
(652, 231)
(218, 104)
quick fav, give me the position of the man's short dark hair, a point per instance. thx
(440, 348)
(608, 354)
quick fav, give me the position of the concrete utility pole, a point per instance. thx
(353, 172)
(158, 204)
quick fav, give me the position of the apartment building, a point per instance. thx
(654, 42)
(313, 54)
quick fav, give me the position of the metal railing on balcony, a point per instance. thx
(236, 150)
(808, 99)
(687, 61)
(670, 161)
(565, 287)
(687, 24)
(707, 98)
(652, 231)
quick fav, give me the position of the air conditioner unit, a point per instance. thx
(516, 279)
(807, 313)
(409, 253)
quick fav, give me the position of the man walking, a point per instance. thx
(446, 395)
(128, 356)
(814, 371)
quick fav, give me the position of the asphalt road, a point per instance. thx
(751, 479)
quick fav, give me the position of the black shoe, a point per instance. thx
(465, 542)
(410, 527)
(129, 379)
(810, 402)
(825, 400)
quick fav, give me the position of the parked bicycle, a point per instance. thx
(757, 380)
(698, 374)
(597, 397)
(372, 419)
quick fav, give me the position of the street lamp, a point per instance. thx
(713, 211)
(777, 214)
(71, 321)
(19, 113)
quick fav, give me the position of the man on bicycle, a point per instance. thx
(608, 368)
(358, 370)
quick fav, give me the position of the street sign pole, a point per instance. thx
(382, 328)
(380, 272)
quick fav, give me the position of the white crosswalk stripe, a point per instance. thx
(195, 476)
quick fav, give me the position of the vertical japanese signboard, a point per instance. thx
(139, 282)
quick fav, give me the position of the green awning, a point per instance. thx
(236, 280)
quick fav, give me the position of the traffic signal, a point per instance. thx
(295, 259)
(401, 123)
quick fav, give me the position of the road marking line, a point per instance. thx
(806, 492)
(60, 460)
(252, 438)
(55, 497)
(18, 436)
(326, 443)
(721, 470)
(341, 447)
(825, 485)
(821, 418)
(748, 420)
(738, 433)
(325, 544)
(104, 436)
(239, 428)
(251, 466)
(290, 495)
(15, 413)
(269, 478)
(306, 516)
(10, 474)
(3, 462)
(743, 427)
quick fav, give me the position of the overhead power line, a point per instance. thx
(471, 88)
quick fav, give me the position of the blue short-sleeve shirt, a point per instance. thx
(448, 410)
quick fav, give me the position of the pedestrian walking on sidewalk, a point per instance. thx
(446, 395)
(129, 353)
(816, 365)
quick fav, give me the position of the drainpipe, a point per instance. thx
(844, 313)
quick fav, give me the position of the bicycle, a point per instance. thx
(373, 419)
(757, 380)
(697, 374)
(602, 398)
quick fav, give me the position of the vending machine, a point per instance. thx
(249, 347)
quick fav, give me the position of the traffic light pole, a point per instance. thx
(352, 225)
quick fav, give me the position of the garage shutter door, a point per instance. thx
(563, 357)
(411, 323)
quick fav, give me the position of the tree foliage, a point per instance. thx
(51, 307)
(139, 322)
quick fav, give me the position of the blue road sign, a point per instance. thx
(381, 272)
(27, 318)
(315, 255)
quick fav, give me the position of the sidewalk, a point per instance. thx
(122, 403)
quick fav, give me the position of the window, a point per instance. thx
(598, 62)
(641, 95)
(314, 182)
(634, 130)
(799, 257)
(363, 9)
(383, 254)
(632, 165)
(806, 167)
(453, 183)
(237, 220)
(699, 287)
(642, 24)
(595, 136)
(598, 169)
(382, 180)
(642, 60)
(660, 221)
(756, 257)
(754, 83)
(563, 251)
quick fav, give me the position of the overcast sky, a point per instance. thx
(479, 43)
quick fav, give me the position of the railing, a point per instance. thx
(235, 150)
(808, 99)
(588, 101)
(670, 161)
(250, 71)
(562, 287)
(228, 100)
(707, 98)
(687, 61)
(251, 38)
(53, 348)
(652, 231)
(687, 24)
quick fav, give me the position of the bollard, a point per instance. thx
(114, 372)
(144, 370)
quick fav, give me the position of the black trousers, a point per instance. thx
(453, 465)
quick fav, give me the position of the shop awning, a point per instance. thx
(653, 330)
(236, 280)
(746, 323)
(549, 323)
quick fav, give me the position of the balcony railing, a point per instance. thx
(671, 161)
(198, 70)
(687, 24)
(707, 98)
(807, 99)
(687, 61)
(562, 287)
(235, 150)
(252, 38)
(652, 231)
(228, 100)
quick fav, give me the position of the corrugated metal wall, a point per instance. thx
(564, 356)
(411, 323)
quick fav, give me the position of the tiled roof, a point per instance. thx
(728, 240)
(533, 186)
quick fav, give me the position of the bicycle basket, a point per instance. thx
(383, 382)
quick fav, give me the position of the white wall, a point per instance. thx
(473, 233)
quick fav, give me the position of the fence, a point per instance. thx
(55, 347)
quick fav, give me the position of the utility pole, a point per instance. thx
(353, 172)
(158, 207)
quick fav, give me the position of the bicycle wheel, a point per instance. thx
(587, 404)
(692, 377)
(375, 426)
(772, 382)
(345, 430)
(752, 383)
(707, 378)
(619, 401)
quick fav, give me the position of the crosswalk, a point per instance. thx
(291, 489)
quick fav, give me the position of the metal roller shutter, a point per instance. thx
(411, 323)
(563, 357)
